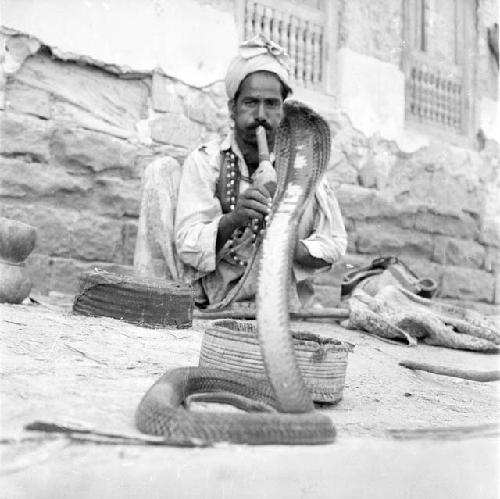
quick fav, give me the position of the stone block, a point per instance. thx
(38, 268)
(68, 233)
(77, 148)
(352, 144)
(350, 224)
(70, 115)
(492, 260)
(355, 201)
(176, 130)
(20, 179)
(352, 239)
(96, 238)
(467, 284)
(489, 159)
(342, 173)
(378, 166)
(22, 135)
(129, 236)
(432, 185)
(439, 252)
(403, 220)
(362, 203)
(165, 97)
(382, 239)
(18, 48)
(2, 92)
(178, 153)
(65, 273)
(53, 225)
(117, 197)
(465, 253)
(462, 226)
(116, 101)
(368, 176)
(217, 92)
(22, 99)
(496, 300)
(200, 108)
(490, 231)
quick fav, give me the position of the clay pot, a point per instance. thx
(17, 241)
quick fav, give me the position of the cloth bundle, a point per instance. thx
(398, 314)
(384, 271)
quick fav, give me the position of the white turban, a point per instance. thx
(257, 54)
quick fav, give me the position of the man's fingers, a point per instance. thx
(262, 190)
(258, 193)
(254, 205)
(251, 214)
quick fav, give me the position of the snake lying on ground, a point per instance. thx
(302, 152)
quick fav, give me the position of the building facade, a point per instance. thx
(93, 90)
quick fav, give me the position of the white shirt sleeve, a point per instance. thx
(198, 211)
(322, 231)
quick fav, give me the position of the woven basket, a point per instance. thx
(233, 345)
(145, 301)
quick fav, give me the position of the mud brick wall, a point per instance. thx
(76, 136)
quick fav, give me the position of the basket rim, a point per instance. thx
(305, 339)
(131, 282)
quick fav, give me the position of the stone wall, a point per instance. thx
(75, 138)
(372, 28)
(436, 208)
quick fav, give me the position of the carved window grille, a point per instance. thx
(435, 68)
(300, 33)
(434, 93)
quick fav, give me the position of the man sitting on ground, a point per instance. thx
(201, 220)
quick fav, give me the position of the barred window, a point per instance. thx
(299, 27)
(436, 65)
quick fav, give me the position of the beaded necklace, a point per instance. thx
(228, 188)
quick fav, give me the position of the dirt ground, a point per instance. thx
(57, 366)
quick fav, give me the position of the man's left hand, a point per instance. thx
(303, 257)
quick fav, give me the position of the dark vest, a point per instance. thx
(228, 184)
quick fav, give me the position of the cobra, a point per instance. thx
(282, 409)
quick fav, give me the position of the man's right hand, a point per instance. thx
(254, 203)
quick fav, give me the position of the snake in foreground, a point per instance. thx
(282, 411)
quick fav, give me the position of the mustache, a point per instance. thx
(258, 123)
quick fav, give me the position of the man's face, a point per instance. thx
(259, 103)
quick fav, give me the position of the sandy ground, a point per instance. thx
(60, 367)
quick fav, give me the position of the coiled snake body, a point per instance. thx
(302, 147)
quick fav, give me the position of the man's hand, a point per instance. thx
(255, 202)
(303, 257)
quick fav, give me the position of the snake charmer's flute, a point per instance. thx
(265, 174)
